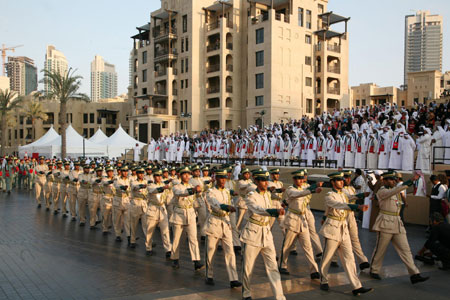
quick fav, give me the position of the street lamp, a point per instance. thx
(84, 152)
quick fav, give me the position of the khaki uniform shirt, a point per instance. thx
(157, 200)
(390, 203)
(218, 224)
(295, 219)
(183, 201)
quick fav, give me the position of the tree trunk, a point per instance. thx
(63, 125)
(3, 124)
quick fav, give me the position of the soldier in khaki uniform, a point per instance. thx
(107, 199)
(171, 181)
(390, 228)
(121, 203)
(73, 189)
(184, 218)
(156, 213)
(277, 189)
(296, 224)
(244, 185)
(352, 225)
(230, 184)
(218, 228)
(64, 188)
(56, 191)
(337, 237)
(257, 237)
(149, 174)
(41, 170)
(95, 197)
(200, 201)
(138, 205)
(48, 187)
(83, 193)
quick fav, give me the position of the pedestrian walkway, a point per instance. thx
(43, 256)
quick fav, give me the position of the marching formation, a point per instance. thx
(217, 209)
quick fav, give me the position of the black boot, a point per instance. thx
(168, 254)
(235, 284)
(118, 239)
(364, 265)
(198, 265)
(416, 278)
(375, 276)
(284, 271)
(315, 275)
(176, 264)
(324, 287)
(293, 252)
(334, 264)
(132, 245)
(361, 290)
(209, 281)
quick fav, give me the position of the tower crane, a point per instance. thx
(4, 49)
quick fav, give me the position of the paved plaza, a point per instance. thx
(43, 256)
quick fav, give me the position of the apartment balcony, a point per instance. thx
(333, 91)
(163, 34)
(282, 17)
(145, 110)
(260, 18)
(213, 89)
(213, 68)
(334, 48)
(229, 89)
(212, 26)
(318, 90)
(215, 25)
(214, 47)
(161, 73)
(229, 68)
(230, 46)
(165, 54)
(174, 92)
(160, 91)
(334, 69)
(318, 69)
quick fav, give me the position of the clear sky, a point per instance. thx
(85, 28)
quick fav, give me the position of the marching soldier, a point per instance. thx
(8, 175)
(337, 237)
(245, 185)
(41, 170)
(276, 188)
(56, 188)
(121, 203)
(184, 218)
(315, 240)
(95, 197)
(107, 199)
(48, 187)
(149, 176)
(352, 225)
(257, 236)
(390, 228)
(83, 194)
(199, 204)
(65, 187)
(230, 184)
(73, 189)
(171, 181)
(31, 173)
(218, 228)
(138, 205)
(296, 225)
(157, 214)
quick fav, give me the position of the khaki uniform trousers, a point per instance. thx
(106, 209)
(56, 191)
(94, 204)
(345, 251)
(64, 194)
(137, 211)
(191, 232)
(248, 261)
(73, 191)
(305, 241)
(315, 240)
(200, 208)
(82, 199)
(356, 244)
(400, 243)
(121, 215)
(39, 188)
(163, 222)
(48, 187)
(230, 258)
(235, 230)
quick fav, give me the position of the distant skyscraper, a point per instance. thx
(54, 61)
(423, 43)
(103, 79)
(22, 74)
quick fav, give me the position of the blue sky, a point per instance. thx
(84, 28)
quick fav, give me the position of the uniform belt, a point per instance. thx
(336, 218)
(156, 203)
(389, 213)
(185, 206)
(108, 195)
(251, 220)
(219, 215)
(297, 212)
(97, 192)
(139, 198)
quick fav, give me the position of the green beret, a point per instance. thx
(347, 173)
(77, 163)
(86, 167)
(195, 168)
(245, 170)
(164, 170)
(157, 172)
(222, 173)
(275, 171)
(140, 170)
(261, 175)
(98, 169)
(205, 168)
(389, 175)
(336, 175)
(109, 169)
(184, 170)
(299, 173)
(125, 168)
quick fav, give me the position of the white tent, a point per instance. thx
(75, 146)
(98, 137)
(120, 142)
(50, 135)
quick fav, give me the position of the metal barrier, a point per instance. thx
(439, 160)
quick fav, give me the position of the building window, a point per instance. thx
(182, 45)
(260, 36)
(182, 84)
(91, 118)
(259, 100)
(144, 57)
(91, 131)
(187, 65)
(309, 106)
(85, 132)
(403, 102)
(308, 81)
(308, 60)
(85, 118)
(320, 7)
(308, 39)
(181, 125)
(187, 83)
(164, 124)
(182, 66)
(357, 103)
(260, 58)
(363, 102)
(21, 133)
(185, 23)
(259, 81)
(144, 75)
(144, 91)
(308, 19)
(187, 44)
(300, 16)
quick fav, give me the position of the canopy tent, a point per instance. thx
(98, 137)
(118, 143)
(75, 146)
(50, 135)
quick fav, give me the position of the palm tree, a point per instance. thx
(63, 88)
(8, 102)
(33, 110)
